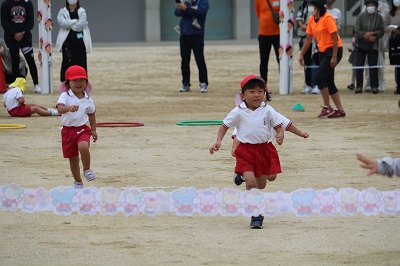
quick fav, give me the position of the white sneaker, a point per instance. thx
(53, 112)
(381, 88)
(177, 28)
(307, 90)
(315, 90)
(37, 89)
(367, 89)
(203, 88)
(78, 185)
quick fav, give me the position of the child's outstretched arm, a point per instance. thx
(221, 133)
(293, 129)
(386, 166)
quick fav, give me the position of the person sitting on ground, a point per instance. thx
(14, 101)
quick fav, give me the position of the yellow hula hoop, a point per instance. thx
(11, 126)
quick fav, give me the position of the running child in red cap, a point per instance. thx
(76, 109)
(258, 125)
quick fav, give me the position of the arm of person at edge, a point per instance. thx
(200, 11)
(221, 133)
(306, 45)
(335, 48)
(386, 166)
(92, 122)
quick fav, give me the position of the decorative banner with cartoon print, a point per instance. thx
(286, 25)
(207, 202)
(45, 25)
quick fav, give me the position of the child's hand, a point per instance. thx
(233, 152)
(215, 147)
(304, 134)
(94, 135)
(368, 164)
(279, 138)
(73, 108)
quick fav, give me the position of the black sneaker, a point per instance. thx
(237, 179)
(256, 222)
(351, 87)
(358, 90)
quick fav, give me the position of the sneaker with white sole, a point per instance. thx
(89, 175)
(367, 89)
(37, 89)
(307, 90)
(53, 112)
(203, 88)
(256, 222)
(315, 90)
(78, 185)
(337, 114)
(196, 24)
(237, 179)
(185, 88)
(326, 110)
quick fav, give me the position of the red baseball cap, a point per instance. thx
(252, 77)
(73, 73)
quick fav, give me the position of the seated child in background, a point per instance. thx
(14, 101)
(195, 23)
(287, 126)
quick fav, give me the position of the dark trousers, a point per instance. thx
(397, 78)
(30, 60)
(187, 44)
(325, 75)
(73, 53)
(372, 57)
(264, 46)
(308, 71)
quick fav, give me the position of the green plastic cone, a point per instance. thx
(298, 107)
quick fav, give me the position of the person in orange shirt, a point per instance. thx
(268, 33)
(322, 26)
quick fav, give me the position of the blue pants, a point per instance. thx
(187, 44)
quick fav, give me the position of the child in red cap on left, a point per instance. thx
(76, 109)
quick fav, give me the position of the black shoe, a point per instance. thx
(256, 222)
(358, 90)
(397, 91)
(375, 90)
(237, 179)
(351, 87)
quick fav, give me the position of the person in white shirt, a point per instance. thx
(77, 108)
(256, 157)
(15, 103)
(335, 12)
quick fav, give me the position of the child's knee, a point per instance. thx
(271, 177)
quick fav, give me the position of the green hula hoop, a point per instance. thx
(199, 123)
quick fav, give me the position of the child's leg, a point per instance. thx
(75, 169)
(83, 147)
(40, 110)
(250, 180)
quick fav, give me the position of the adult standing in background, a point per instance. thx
(268, 33)
(394, 20)
(322, 26)
(17, 20)
(192, 38)
(369, 29)
(74, 36)
(7, 63)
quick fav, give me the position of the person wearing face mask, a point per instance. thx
(17, 20)
(322, 26)
(368, 30)
(73, 39)
(383, 10)
(394, 41)
(311, 56)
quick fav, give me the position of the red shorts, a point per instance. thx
(261, 159)
(22, 111)
(71, 136)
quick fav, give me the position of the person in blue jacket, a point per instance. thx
(192, 38)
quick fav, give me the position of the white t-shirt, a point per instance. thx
(10, 98)
(335, 12)
(80, 117)
(256, 126)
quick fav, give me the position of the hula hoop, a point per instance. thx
(11, 126)
(199, 123)
(119, 124)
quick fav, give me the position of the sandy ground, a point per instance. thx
(140, 83)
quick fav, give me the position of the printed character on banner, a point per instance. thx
(327, 204)
(150, 204)
(389, 200)
(48, 24)
(303, 202)
(253, 202)
(47, 3)
(47, 48)
(62, 199)
(208, 201)
(133, 201)
(39, 16)
(110, 202)
(372, 201)
(183, 201)
(29, 201)
(12, 195)
(230, 202)
(349, 203)
(87, 200)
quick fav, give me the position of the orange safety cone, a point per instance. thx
(3, 85)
